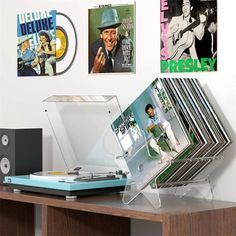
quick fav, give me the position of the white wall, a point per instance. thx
(20, 98)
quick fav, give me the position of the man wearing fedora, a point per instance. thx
(111, 52)
(26, 58)
(46, 52)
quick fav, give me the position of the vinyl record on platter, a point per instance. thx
(52, 175)
(66, 43)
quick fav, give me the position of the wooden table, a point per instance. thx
(106, 215)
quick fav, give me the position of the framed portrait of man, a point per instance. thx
(111, 43)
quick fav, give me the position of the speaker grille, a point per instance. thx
(5, 165)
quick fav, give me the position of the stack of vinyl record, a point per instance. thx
(206, 133)
(178, 112)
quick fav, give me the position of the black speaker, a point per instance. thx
(20, 151)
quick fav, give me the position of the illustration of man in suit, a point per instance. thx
(112, 52)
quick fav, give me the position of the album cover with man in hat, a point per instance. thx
(36, 43)
(112, 39)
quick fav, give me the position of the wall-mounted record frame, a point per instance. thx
(188, 36)
(116, 54)
(47, 43)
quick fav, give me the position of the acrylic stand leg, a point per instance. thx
(201, 189)
(147, 195)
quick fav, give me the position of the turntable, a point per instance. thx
(81, 127)
(68, 185)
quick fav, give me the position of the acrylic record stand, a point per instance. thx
(199, 187)
(87, 129)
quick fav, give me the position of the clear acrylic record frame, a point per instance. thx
(83, 126)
